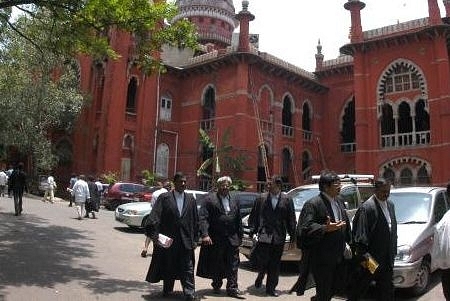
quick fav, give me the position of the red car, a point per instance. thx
(122, 193)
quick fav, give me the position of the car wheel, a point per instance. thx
(423, 279)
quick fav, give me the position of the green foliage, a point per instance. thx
(148, 177)
(35, 103)
(110, 177)
(225, 158)
(70, 27)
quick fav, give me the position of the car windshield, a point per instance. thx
(411, 207)
(301, 195)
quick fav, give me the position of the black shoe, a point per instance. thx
(258, 281)
(235, 294)
(86, 215)
(93, 215)
(70, 205)
(191, 298)
(144, 253)
(272, 293)
(16, 214)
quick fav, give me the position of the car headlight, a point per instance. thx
(132, 212)
(403, 253)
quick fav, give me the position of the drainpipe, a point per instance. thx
(156, 121)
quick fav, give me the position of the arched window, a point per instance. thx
(209, 109)
(286, 117)
(162, 160)
(306, 117)
(165, 111)
(406, 176)
(128, 141)
(348, 140)
(422, 176)
(131, 95)
(389, 175)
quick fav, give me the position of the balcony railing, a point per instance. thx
(287, 131)
(207, 124)
(348, 147)
(307, 136)
(406, 139)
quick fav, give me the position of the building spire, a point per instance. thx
(447, 8)
(244, 17)
(434, 12)
(319, 56)
(355, 7)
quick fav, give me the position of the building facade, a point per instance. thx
(382, 107)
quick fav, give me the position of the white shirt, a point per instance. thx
(156, 194)
(385, 210)
(51, 183)
(226, 203)
(80, 191)
(274, 198)
(3, 178)
(179, 197)
(99, 186)
(335, 207)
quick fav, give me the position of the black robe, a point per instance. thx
(165, 219)
(225, 230)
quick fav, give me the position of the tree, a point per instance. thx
(70, 27)
(223, 159)
(40, 95)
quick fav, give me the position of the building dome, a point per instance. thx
(215, 19)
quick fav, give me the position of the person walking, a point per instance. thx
(3, 182)
(50, 190)
(93, 203)
(81, 194)
(272, 216)
(173, 228)
(164, 186)
(18, 182)
(440, 252)
(221, 235)
(374, 244)
(73, 179)
(325, 232)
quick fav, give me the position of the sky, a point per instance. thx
(290, 29)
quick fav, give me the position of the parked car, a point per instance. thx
(246, 200)
(135, 214)
(418, 210)
(354, 190)
(122, 193)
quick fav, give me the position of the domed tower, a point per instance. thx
(215, 20)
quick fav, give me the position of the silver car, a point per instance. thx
(418, 210)
(135, 214)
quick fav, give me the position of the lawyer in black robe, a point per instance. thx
(375, 233)
(221, 234)
(174, 215)
(325, 233)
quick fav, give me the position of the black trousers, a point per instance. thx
(185, 261)
(18, 194)
(383, 283)
(445, 279)
(268, 260)
(230, 256)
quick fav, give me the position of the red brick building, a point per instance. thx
(382, 107)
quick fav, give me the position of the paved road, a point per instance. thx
(47, 254)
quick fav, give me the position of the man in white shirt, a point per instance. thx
(81, 194)
(3, 182)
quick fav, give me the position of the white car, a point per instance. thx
(135, 214)
(418, 210)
